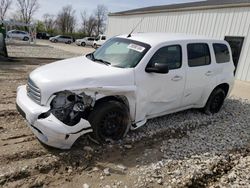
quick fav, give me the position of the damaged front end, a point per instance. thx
(62, 122)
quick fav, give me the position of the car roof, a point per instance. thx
(158, 38)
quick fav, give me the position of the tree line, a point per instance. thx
(64, 22)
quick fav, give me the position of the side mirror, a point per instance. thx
(158, 68)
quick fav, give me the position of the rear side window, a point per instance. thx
(170, 55)
(198, 54)
(221, 53)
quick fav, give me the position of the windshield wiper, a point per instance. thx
(102, 61)
(99, 60)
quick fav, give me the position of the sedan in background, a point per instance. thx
(85, 41)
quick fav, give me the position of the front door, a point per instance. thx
(236, 47)
(160, 93)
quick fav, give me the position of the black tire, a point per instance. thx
(55, 41)
(83, 44)
(110, 121)
(215, 101)
(25, 38)
(69, 42)
(95, 46)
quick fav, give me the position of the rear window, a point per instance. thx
(221, 53)
(198, 54)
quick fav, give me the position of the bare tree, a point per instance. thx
(101, 17)
(26, 9)
(66, 19)
(49, 22)
(89, 24)
(4, 7)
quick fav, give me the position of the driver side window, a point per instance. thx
(170, 55)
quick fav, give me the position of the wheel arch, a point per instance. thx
(119, 98)
(224, 86)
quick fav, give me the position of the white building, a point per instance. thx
(223, 19)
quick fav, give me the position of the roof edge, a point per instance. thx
(180, 9)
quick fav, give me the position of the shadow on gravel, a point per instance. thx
(176, 136)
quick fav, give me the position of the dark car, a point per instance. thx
(42, 35)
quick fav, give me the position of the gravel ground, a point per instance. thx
(185, 149)
(37, 51)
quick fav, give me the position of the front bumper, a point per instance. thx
(49, 130)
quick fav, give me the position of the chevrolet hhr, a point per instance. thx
(125, 82)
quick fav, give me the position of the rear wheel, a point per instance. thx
(95, 46)
(110, 121)
(55, 41)
(83, 44)
(215, 101)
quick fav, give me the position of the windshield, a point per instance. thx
(120, 52)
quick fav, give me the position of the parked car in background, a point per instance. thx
(85, 41)
(125, 82)
(61, 38)
(42, 35)
(99, 41)
(17, 34)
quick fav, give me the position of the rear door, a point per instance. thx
(201, 73)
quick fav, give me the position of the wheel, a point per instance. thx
(69, 42)
(26, 38)
(215, 101)
(83, 44)
(110, 121)
(55, 41)
(95, 46)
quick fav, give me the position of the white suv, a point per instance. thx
(121, 85)
(16, 34)
(99, 41)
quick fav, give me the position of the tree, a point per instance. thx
(40, 27)
(89, 24)
(26, 9)
(101, 17)
(49, 22)
(4, 7)
(66, 19)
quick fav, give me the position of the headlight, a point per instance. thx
(69, 107)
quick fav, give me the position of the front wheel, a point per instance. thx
(25, 38)
(95, 46)
(215, 101)
(110, 121)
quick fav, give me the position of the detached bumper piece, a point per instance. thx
(49, 130)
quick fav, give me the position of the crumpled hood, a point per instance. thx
(78, 73)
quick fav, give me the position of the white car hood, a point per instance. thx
(79, 73)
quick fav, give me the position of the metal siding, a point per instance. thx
(216, 23)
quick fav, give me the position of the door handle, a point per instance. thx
(209, 73)
(176, 78)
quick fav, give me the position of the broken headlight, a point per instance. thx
(69, 107)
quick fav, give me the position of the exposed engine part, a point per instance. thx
(69, 107)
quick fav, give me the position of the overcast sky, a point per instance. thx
(53, 6)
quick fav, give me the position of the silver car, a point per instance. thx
(85, 41)
(16, 34)
(61, 38)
